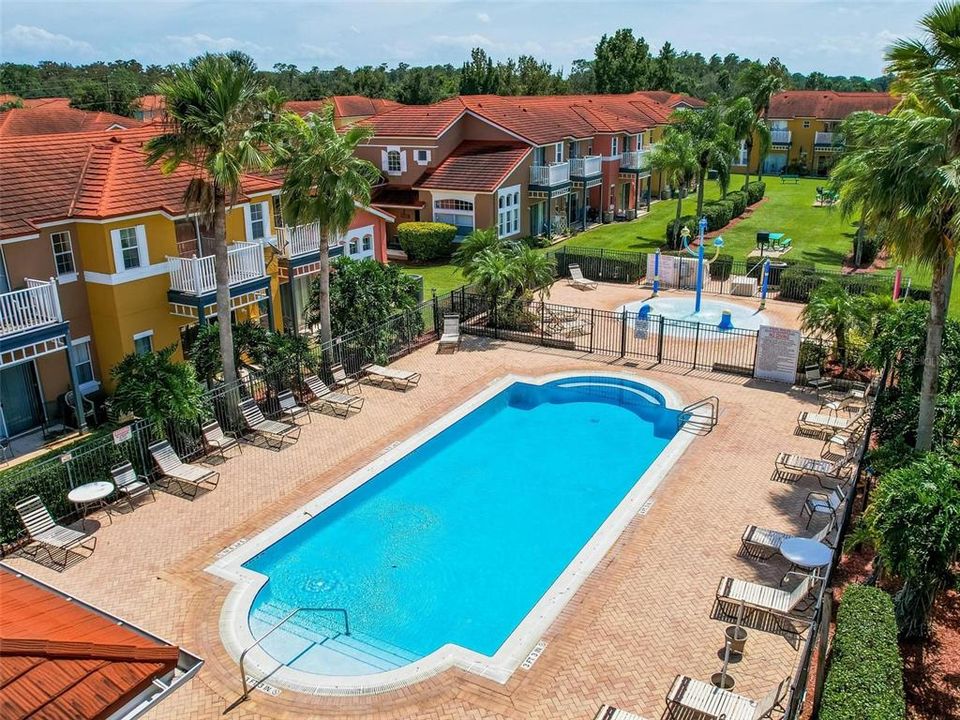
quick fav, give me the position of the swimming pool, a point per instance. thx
(460, 546)
(682, 308)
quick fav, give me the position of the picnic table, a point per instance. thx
(795, 179)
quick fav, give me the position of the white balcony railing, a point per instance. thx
(299, 240)
(780, 137)
(34, 306)
(585, 167)
(636, 159)
(197, 275)
(826, 138)
(550, 175)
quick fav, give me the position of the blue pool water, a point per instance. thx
(459, 539)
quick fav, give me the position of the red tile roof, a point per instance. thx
(828, 104)
(536, 119)
(51, 116)
(672, 100)
(477, 166)
(344, 106)
(61, 659)
(89, 175)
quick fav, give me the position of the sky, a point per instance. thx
(837, 37)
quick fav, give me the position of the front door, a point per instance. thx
(774, 163)
(19, 399)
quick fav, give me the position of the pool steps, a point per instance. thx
(317, 643)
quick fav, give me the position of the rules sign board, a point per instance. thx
(778, 351)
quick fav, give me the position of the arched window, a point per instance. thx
(367, 243)
(353, 246)
(393, 161)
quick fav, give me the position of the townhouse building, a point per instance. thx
(803, 128)
(524, 165)
(100, 258)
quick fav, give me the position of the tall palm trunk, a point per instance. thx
(766, 112)
(326, 332)
(676, 225)
(939, 302)
(221, 271)
(700, 185)
(749, 146)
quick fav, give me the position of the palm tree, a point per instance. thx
(219, 119)
(713, 140)
(675, 158)
(535, 271)
(325, 182)
(475, 243)
(496, 273)
(832, 310)
(748, 128)
(902, 171)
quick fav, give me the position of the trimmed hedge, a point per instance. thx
(865, 679)
(739, 200)
(721, 268)
(755, 191)
(685, 221)
(423, 241)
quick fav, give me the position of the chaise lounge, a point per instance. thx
(131, 485)
(763, 543)
(323, 397)
(781, 606)
(690, 699)
(818, 424)
(273, 432)
(215, 439)
(398, 379)
(791, 468)
(450, 337)
(578, 280)
(46, 534)
(189, 478)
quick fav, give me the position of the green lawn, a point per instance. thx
(442, 278)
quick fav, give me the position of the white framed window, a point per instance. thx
(508, 211)
(614, 145)
(63, 256)
(83, 361)
(639, 141)
(558, 152)
(806, 124)
(367, 243)
(130, 248)
(258, 221)
(352, 247)
(455, 211)
(422, 157)
(393, 161)
(741, 158)
(143, 342)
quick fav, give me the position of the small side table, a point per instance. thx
(806, 553)
(94, 493)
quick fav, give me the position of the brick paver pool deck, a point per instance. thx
(642, 617)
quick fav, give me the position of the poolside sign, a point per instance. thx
(122, 434)
(778, 352)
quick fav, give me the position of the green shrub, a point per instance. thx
(869, 248)
(798, 281)
(423, 241)
(722, 267)
(739, 200)
(718, 213)
(865, 679)
(756, 191)
(535, 241)
(688, 221)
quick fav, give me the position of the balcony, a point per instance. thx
(586, 167)
(827, 141)
(299, 240)
(550, 176)
(196, 276)
(637, 161)
(779, 137)
(33, 307)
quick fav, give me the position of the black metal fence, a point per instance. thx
(625, 334)
(725, 276)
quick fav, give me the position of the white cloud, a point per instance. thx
(483, 17)
(465, 41)
(354, 29)
(201, 42)
(318, 51)
(37, 39)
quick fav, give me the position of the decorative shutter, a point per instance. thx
(117, 257)
(142, 243)
(403, 161)
(383, 160)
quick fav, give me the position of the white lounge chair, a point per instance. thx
(217, 440)
(852, 401)
(342, 381)
(450, 337)
(44, 532)
(822, 503)
(837, 472)
(273, 432)
(399, 379)
(323, 397)
(781, 606)
(810, 423)
(189, 478)
(689, 698)
(763, 543)
(609, 712)
(131, 485)
(578, 280)
(290, 408)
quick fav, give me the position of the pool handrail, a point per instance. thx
(268, 633)
(703, 424)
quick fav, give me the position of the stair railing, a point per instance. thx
(701, 422)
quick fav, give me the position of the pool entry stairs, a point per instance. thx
(700, 418)
(318, 642)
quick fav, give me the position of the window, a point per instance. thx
(558, 152)
(614, 145)
(806, 124)
(63, 253)
(626, 142)
(393, 162)
(455, 212)
(741, 157)
(573, 150)
(129, 249)
(277, 210)
(453, 205)
(143, 342)
(367, 243)
(423, 157)
(258, 221)
(353, 246)
(508, 211)
(82, 361)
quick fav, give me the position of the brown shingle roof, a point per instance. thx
(52, 117)
(60, 659)
(89, 175)
(477, 166)
(828, 104)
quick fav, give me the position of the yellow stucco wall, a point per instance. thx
(801, 144)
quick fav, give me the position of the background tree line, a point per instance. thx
(621, 63)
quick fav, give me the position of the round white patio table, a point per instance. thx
(806, 552)
(89, 494)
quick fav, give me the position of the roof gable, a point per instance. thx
(828, 104)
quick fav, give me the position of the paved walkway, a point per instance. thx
(642, 617)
